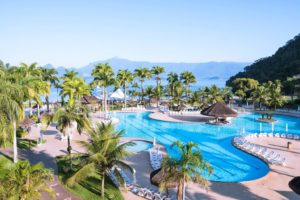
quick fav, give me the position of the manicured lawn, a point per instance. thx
(89, 189)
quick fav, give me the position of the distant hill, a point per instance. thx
(284, 63)
(210, 70)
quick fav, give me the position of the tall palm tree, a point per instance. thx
(104, 77)
(49, 75)
(187, 78)
(157, 71)
(11, 111)
(70, 74)
(190, 166)
(142, 73)
(158, 93)
(74, 88)
(66, 119)
(260, 96)
(149, 92)
(215, 95)
(25, 182)
(172, 79)
(124, 77)
(104, 150)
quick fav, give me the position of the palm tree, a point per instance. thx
(70, 74)
(143, 74)
(49, 75)
(149, 92)
(158, 93)
(260, 96)
(66, 119)
(104, 150)
(172, 79)
(74, 88)
(187, 78)
(177, 92)
(104, 77)
(157, 71)
(25, 182)
(190, 166)
(215, 95)
(11, 112)
(124, 77)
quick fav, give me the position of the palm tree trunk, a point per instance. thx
(142, 87)
(187, 90)
(47, 102)
(15, 148)
(30, 107)
(180, 191)
(103, 99)
(102, 185)
(38, 110)
(125, 95)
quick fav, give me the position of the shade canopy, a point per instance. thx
(157, 176)
(26, 123)
(219, 110)
(118, 94)
(294, 184)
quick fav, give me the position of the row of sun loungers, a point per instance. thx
(182, 112)
(289, 111)
(138, 108)
(148, 193)
(259, 151)
(276, 135)
(155, 159)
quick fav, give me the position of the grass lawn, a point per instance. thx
(89, 189)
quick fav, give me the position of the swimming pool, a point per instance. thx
(139, 146)
(229, 163)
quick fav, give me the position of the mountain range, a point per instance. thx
(211, 71)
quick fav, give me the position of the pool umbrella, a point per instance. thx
(219, 110)
(157, 176)
(295, 185)
(26, 123)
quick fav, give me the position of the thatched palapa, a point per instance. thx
(219, 110)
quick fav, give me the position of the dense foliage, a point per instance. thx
(283, 64)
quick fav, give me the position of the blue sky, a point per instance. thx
(73, 33)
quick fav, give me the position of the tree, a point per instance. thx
(190, 166)
(70, 74)
(149, 92)
(104, 150)
(104, 77)
(68, 119)
(158, 93)
(215, 95)
(49, 75)
(11, 112)
(187, 78)
(157, 71)
(74, 88)
(172, 79)
(260, 95)
(243, 87)
(124, 77)
(276, 98)
(143, 74)
(177, 92)
(25, 182)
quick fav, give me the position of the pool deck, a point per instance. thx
(273, 186)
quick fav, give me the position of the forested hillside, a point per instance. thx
(284, 63)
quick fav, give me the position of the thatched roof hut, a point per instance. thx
(219, 110)
(26, 123)
(294, 184)
(156, 177)
(89, 99)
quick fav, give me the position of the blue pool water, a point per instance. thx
(139, 146)
(229, 163)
